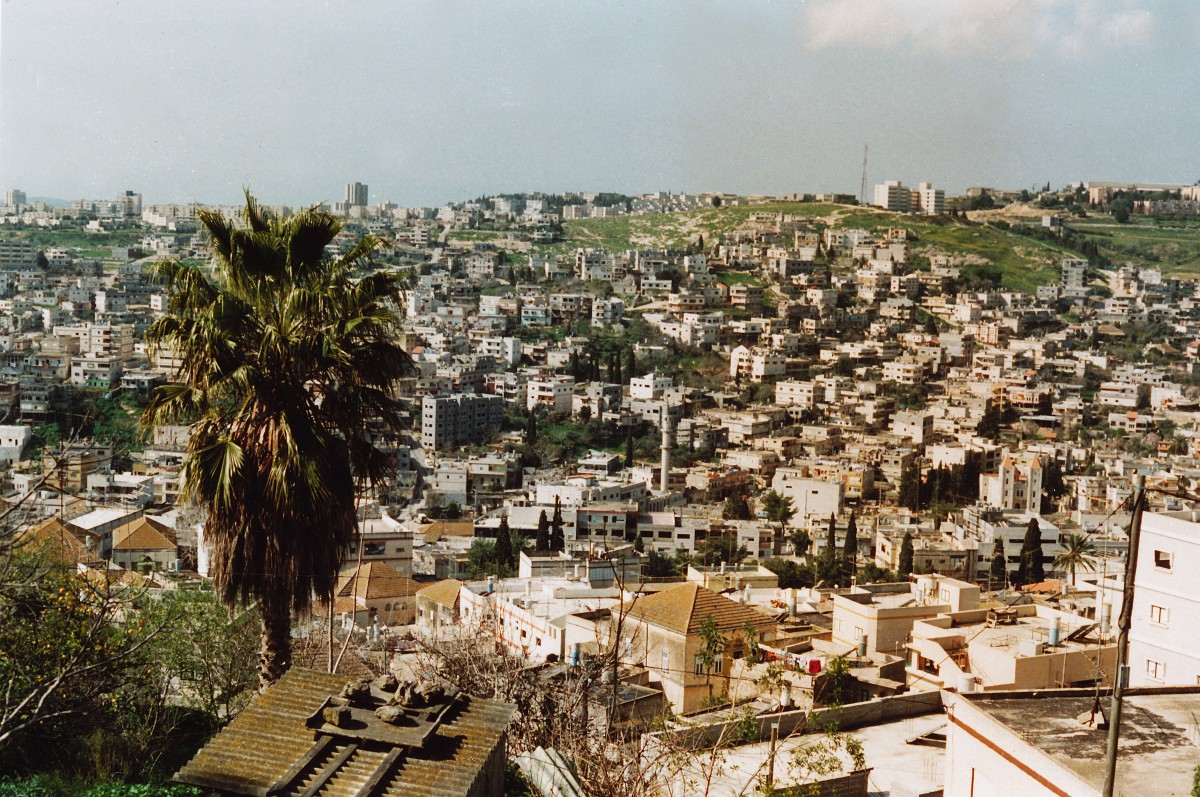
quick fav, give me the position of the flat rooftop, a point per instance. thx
(892, 759)
(1160, 735)
(1036, 629)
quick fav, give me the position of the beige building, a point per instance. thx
(374, 592)
(437, 606)
(662, 633)
(144, 543)
(1018, 647)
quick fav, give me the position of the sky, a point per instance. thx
(429, 102)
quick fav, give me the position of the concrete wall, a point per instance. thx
(848, 717)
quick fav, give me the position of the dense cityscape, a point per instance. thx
(781, 398)
(689, 494)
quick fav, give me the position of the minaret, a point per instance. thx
(668, 441)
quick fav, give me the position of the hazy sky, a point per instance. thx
(434, 101)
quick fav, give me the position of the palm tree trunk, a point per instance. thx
(275, 654)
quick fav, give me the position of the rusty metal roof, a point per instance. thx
(279, 745)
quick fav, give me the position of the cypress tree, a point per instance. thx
(557, 539)
(850, 547)
(504, 549)
(998, 575)
(830, 565)
(630, 363)
(910, 487)
(1032, 569)
(629, 446)
(543, 532)
(906, 556)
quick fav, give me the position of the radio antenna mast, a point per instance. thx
(862, 188)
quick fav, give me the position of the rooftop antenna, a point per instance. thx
(862, 188)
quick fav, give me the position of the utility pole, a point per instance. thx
(1126, 618)
(771, 758)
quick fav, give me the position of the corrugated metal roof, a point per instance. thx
(271, 748)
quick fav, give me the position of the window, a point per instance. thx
(1162, 560)
(699, 664)
(719, 664)
(1155, 670)
(1159, 615)
(666, 660)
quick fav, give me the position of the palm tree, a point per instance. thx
(1078, 554)
(284, 358)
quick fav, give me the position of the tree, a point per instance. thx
(1053, 483)
(284, 358)
(542, 542)
(482, 560)
(712, 648)
(557, 539)
(910, 487)
(998, 574)
(629, 446)
(989, 423)
(778, 507)
(1031, 568)
(68, 649)
(505, 555)
(830, 551)
(850, 547)
(736, 508)
(790, 573)
(208, 649)
(801, 542)
(531, 429)
(1078, 554)
(661, 565)
(721, 548)
(905, 566)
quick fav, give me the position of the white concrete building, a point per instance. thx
(1164, 640)
(551, 393)
(810, 497)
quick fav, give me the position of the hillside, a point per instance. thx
(1023, 262)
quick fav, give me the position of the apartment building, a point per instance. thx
(1164, 640)
(459, 419)
(551, 393)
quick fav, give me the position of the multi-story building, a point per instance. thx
(811, 497)
(756, 364)
(929, 200)
(894, 196)
(1016, 484)
(459, 419)
(1164, 640)
(550, 392)
(356, 195)
(1074, 277)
